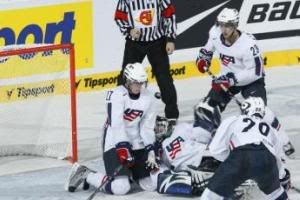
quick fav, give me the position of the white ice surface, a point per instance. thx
(34, 178)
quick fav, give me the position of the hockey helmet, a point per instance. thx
(253, 106)
(134, 76)
(228, 16)
(135, 73)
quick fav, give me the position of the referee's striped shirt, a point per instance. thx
(154, 19)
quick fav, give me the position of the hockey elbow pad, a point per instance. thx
(203, 60)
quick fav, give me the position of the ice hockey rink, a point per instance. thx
(35, 178)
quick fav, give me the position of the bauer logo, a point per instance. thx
(51, 24)
(271, 18)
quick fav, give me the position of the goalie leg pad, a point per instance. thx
(174, 183)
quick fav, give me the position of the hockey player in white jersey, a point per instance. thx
(249, 148)
(242, 67)
(188, 142)
(128, 138)
(185, 153)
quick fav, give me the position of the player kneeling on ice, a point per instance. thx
(128, 138)
(249, 148)
(185, 153)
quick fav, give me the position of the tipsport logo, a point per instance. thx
(52, 30)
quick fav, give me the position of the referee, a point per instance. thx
(150, 30)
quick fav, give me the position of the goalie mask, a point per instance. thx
(134, 77)
(206, 116)
(161, 128)
(253, 106)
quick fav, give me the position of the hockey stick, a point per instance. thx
(295, 189)
(225, 89)
(109, 178)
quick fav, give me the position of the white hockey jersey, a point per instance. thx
(239, 131)
(243, 57)
(183, 148)
(128, 119)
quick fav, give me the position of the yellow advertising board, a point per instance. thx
(51, 24)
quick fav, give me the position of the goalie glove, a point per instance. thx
(203, 60)
(123, 151)
(175, 183)
(224, 82)
(152, 159)
(286, 180)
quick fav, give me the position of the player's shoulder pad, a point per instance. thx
(117, 93)
(227, 121)
(183, 126)
(148, 95)
(250, 36)
(248, 39)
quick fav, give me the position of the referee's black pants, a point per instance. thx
(159, 60)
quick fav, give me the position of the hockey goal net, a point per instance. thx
(38, 102)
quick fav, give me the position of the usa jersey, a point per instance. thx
(183, 148)
(243, 57)
(235, 132)
(130, 120)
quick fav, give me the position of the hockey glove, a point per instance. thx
(123, 151)
(224, 82)
(288, 149)
(152, 159)
(209, 164)
(203, 60)
(286, 180)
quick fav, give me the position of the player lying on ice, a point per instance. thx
(185, 153)
(185, 162)
(128, 138)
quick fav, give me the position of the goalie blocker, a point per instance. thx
(189, 182)
(180, 183)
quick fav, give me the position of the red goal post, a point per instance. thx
(38, 102)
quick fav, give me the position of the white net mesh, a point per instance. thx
(35, 103)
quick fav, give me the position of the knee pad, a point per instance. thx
(120, 185)
(147, 184)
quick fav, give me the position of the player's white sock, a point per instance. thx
(95, 179)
